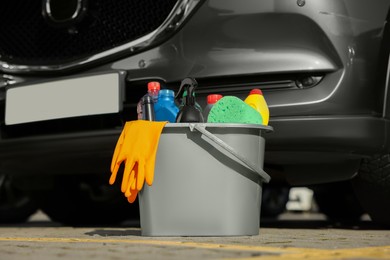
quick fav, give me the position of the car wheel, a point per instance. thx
(15, 205)
(274, 200)
(338, 201)
(81, 200)
(372, 187)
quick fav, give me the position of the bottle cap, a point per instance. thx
(154, 85)
(166, 93)
(256, 91)
(213, 98)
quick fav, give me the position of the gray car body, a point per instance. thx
(321, 132)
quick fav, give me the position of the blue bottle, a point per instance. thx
(165, 108)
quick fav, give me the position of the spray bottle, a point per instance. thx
(189, 112)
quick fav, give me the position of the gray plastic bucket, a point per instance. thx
(208, 181)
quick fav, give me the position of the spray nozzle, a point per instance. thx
(189, 85)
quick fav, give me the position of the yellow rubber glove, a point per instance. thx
(136, 147)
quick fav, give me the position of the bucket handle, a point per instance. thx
(228, 148)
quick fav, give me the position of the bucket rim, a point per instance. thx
(266, 128)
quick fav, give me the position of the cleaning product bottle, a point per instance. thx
(153, 89)
(165, 108)
(189, 112)
(147, 102)
(211, 100)
(257, 101)
(199, 107)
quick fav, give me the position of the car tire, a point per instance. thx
(372, 187)
(274, 200)
(338, 201)
(81, 201)
(15, 205)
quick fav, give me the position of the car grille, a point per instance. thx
(27, 38)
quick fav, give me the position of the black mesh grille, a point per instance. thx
(26, 37)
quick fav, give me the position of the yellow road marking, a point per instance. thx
(381, 252)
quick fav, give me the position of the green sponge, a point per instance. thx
(230, 109)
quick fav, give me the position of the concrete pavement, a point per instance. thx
(289, 238)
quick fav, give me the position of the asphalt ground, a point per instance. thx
(292, 236)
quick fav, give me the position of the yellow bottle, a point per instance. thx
(256, 100)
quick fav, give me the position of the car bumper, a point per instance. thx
(295, 141)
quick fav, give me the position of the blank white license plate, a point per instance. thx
(91, 95)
